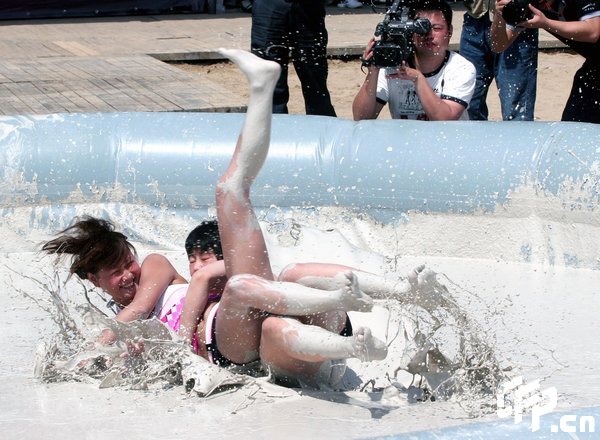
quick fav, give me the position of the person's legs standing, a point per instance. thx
(310, 55)
(516, 77)
(270, 40)
(475, 47)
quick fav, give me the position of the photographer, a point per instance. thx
(434, 84)
(577, 24)
(515, 70)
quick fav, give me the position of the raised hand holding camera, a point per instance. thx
(521, 13)
(405, 72)
(517, 11)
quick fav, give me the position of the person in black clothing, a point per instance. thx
(577, 24)
(294, 28)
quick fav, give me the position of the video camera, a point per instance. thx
(396, 32)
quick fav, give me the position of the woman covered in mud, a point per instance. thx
(248, 315)
(238, 328)
(108, 260)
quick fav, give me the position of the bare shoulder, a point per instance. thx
(156, 261)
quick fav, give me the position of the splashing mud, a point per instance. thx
(437, 351)
(506, 284)
(146, 355)
(485, 319)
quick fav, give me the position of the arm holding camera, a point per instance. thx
(587, 31)
(502, 36)
(436, 107)
(365, 104)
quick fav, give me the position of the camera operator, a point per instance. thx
(435, 84)
(577, 24)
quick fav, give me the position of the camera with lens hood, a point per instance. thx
(396, 32)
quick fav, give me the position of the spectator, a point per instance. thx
(435, 84)
(281, 27)
(514, 70)
(577, 24)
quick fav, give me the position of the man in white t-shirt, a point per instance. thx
(437, 87)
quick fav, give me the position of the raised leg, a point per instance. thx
(244, 248)
(250, 290)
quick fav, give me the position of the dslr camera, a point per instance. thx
(396, 32)
(517, 11)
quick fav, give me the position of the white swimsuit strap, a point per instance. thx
(208, 330)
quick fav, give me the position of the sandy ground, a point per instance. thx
(555, 74)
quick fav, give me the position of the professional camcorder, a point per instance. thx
(518, 11)
(396, 32)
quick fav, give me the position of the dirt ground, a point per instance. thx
(555, 74)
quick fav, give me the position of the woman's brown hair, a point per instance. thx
(93, 243)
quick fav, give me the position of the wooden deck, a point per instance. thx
(106, 84)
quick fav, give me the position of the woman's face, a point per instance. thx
(119, 281)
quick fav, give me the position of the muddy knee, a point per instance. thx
(289, 272)
(273, 337)
(241, 288)
(270, 331)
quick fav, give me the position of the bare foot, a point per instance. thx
(352, 297)
(367, 347)
(253, 143)
(259, 72)
(426, 291)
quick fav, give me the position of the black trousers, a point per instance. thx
(284, 29)
(584, 102)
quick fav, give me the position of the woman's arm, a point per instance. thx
(202, 282)
(157, 273)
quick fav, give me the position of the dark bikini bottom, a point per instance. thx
(222, 361)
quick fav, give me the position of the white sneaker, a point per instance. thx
(351, 4)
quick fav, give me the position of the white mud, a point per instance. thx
(522, 300)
